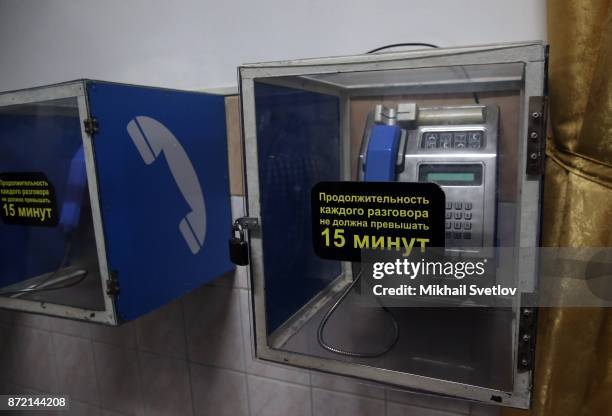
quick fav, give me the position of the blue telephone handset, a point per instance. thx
(152, 138)
(75, 186)
(381, 154)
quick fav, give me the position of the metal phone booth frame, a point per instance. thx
(352, 77)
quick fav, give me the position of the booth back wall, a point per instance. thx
(199, 44)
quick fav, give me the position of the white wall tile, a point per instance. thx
(213, 326)
(484, 410)
(329, 403)
(5, 359)
(235, 278)
(32, 359)
(218, 392)
(106, 412)
(70, 327)
(7, 317)
(166, 386)
(120, 336)
(276, 398)
(79, 409)
(33, 320)
(75, 368)
(260, 367)
(163, 331)
(118, 379)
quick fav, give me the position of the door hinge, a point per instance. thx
(536, 135)
(91, 126)
(112, 285)
(526, 341)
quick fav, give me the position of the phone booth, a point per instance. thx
(107, 192)
(336, 150)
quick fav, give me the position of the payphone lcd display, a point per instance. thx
(444, 178)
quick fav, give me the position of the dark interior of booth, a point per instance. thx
(47, 240)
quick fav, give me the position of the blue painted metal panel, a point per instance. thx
(298, 146)
(382, 153)
(155, 150)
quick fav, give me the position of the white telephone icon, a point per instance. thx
(152, 138)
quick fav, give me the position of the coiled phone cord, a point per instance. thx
(336, 350)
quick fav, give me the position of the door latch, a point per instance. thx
(238, 245)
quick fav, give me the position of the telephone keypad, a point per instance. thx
(460, 228)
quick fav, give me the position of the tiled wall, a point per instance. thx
(191, 357)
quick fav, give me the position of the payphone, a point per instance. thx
(455, 147)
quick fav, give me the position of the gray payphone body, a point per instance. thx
(455, 147)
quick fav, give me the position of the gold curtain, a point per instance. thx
(574, 358)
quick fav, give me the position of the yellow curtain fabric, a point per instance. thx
(574, 359)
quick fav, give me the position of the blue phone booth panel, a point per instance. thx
(162, 167)
(114, 199)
